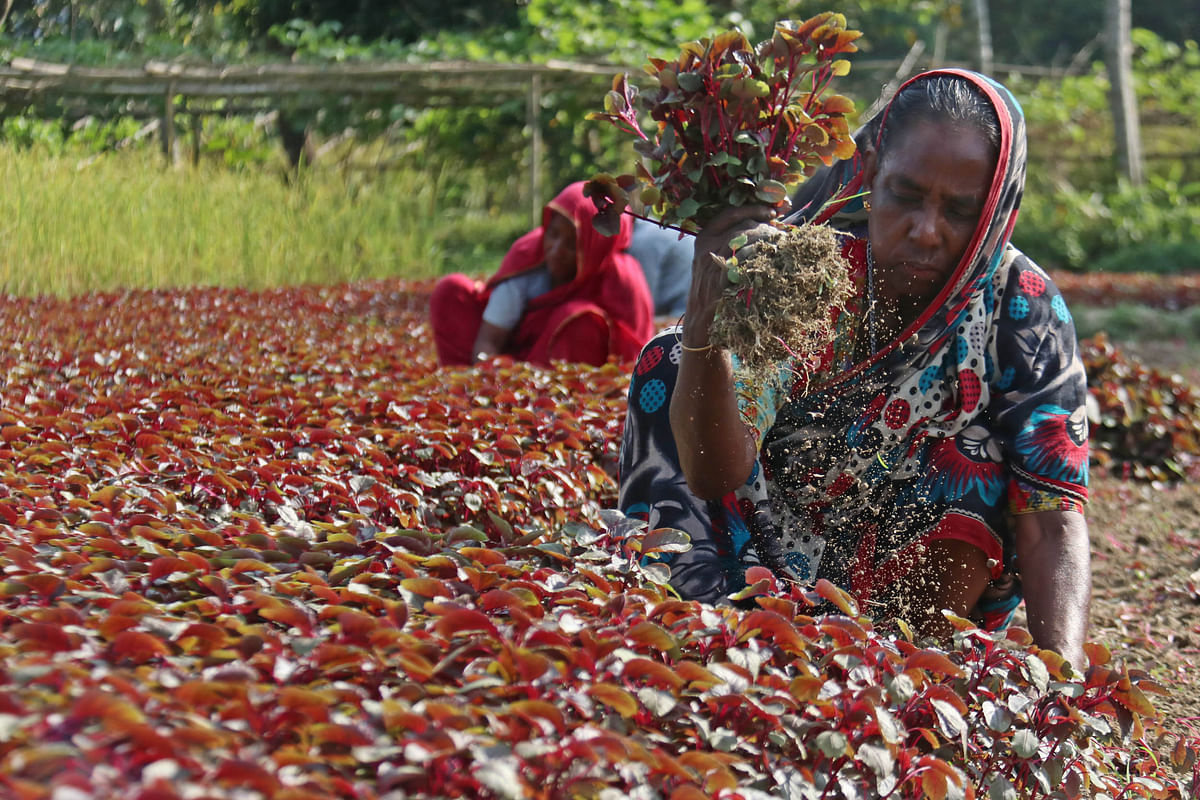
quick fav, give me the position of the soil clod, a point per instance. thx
(783, 305)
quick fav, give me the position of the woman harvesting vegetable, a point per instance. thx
(934, 456)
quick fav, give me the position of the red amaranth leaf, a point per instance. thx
(933, 662)
(540, 710)
(42, 637)
(697, 677)
(325, 734)
(207, 636)
(641, 669)
(115, 712)
(138, 660)
(1135, 700)
(665, 540)
(247, 774)
(163, 566)
(615, 698)
(290, 616)
(653, 636)
(136, 647)
(315, 705)
(457, 620)
(426, 587)
(844, 602)
(772, 627)
(45, 586)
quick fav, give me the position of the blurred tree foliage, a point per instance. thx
(1075, 210)
(1024, 31)
(1076, 213)
(402, 20)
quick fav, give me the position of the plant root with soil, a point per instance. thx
(783, 301)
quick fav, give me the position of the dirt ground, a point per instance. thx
(1146, 568)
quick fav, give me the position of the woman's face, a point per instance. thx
(927, 192)
(558, 245)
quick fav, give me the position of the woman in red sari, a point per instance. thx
(564, 292)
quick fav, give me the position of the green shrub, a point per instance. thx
(1089, 230)
(1160, 258)
(1076, 211)
(476, 244)
(1129, 322)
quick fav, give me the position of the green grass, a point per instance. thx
(1127, 322)
(121, 220)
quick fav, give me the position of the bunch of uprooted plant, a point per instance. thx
(736, 125)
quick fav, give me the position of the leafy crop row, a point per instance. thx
(1145, 423)
(1107, 289)
(255, 545)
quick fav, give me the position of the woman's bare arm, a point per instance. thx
(1056, 576)
(490, 341)
(716, 451)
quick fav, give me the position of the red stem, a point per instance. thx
(819, 84)
(787, 93)
(725, 145)
(633, 128)
(657, 222)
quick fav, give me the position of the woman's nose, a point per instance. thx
(924, 228)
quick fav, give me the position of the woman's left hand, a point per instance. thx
(1055, 562)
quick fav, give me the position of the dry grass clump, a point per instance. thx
(783, 301)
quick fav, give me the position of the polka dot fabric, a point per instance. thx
(970, 390)
(1060, 309)
(653, 396)
(1031, 284)
(649, 360)
(653, 489)
(898, 413)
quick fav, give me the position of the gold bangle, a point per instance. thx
(695, 349)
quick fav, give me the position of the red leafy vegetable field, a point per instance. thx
(1106, 289)
(256, 545)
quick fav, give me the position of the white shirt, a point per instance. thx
(508, 300)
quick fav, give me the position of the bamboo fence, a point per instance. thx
(158, 89)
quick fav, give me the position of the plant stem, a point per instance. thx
(787, 93)
(633, 128)
(657, 222)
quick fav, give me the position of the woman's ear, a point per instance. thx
(870, 158)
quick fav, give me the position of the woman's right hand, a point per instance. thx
(709, 274)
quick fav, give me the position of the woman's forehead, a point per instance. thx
(559, 219)
(931, 137)
(959, 160)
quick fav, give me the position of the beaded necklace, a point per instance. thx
(871, 334)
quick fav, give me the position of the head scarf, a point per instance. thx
(858, 473)
(824, 199)
(606, 277)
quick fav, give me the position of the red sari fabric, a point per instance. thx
(606, 310)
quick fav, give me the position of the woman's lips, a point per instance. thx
(920, 269)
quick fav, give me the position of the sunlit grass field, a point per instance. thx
(71, 224)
